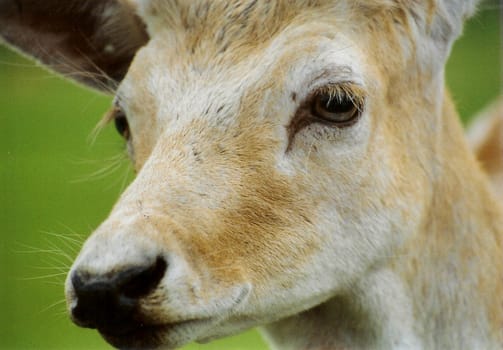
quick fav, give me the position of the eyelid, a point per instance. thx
(355, 91)
(332, 74)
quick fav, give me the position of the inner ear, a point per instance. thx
(92, 41)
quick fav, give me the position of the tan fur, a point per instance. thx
(485, 135)
(382, 234)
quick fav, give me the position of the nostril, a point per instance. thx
(138, 282)
(109, 301)
(97, 302)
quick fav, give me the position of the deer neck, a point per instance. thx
(441, 289)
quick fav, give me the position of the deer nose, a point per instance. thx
(109, 302)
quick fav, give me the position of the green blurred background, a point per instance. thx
(56, 184)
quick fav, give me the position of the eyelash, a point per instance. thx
(341, 93)
(337, 105)
(119, 118)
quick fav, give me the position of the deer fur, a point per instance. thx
(380, 235)
(485, 136)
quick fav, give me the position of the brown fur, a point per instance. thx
(486, 138)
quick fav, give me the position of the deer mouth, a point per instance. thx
(152, 336)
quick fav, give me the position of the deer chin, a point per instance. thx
(153, 336)
(160, 331)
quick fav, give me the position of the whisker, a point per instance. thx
(56, 268)
(17, 64)
(35, 250)
(35, 278)
(127, 173)
(53, 305)
(62, 254)
(71, 232)
(122, 180)
(64, 237)
(113, 164)
(58, 284)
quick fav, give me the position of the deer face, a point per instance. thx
(264, 179)
(275, 165)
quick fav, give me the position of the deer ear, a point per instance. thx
(92, 41)
(450, 16)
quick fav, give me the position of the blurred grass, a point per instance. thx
(49, 198)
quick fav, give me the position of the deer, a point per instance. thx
(300, 167)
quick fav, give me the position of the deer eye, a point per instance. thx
(337, 108)
(121, 123)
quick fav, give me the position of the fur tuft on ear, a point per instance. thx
(92, 41)
(449, 18)
(427, 28)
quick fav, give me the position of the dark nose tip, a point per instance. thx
(109, 302)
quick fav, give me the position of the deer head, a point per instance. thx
(285, 152)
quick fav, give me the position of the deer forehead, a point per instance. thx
(202, 52)
(179, 83)
(238, 23)
(170, 87)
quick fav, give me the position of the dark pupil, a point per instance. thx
(336, 104)
(121, 125)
